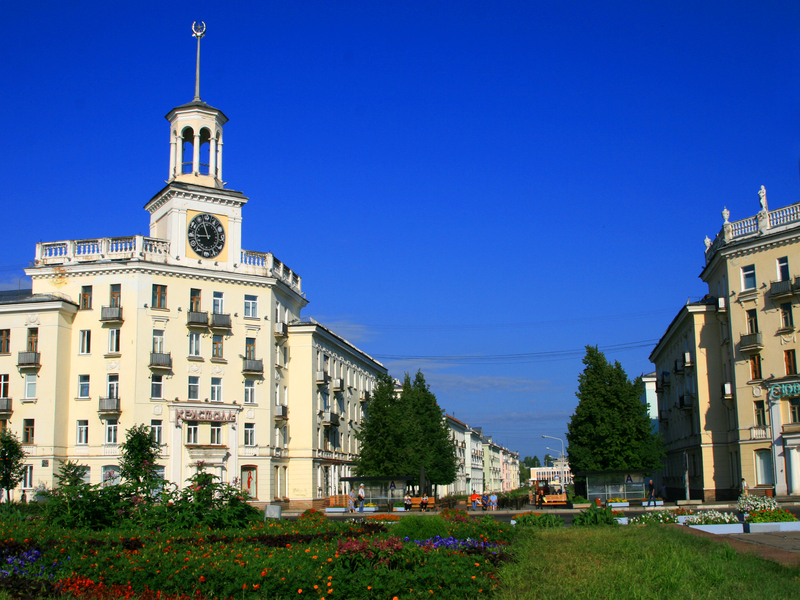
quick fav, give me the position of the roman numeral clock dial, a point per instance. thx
(206, 235)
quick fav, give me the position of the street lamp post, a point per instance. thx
(563, 458)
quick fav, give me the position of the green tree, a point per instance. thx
(381, 435)
(401, 434)
(70, 473)
(429, 434)
(524, 474)
(138, 455)
(548, 460)
(610, 429)
(12, 461)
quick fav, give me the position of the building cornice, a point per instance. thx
(177, 190)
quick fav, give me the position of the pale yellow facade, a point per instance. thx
(741, 425)
(188, 333)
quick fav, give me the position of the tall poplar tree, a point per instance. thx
(401, 434)
(610, 429)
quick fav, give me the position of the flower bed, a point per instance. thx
(277, 559)
(658, 517)
(713, 521)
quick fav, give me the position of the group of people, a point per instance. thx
(353, 496)
(486, 501)
(423, 502)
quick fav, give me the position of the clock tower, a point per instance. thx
(201, 219)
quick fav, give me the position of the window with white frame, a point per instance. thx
(249, 434)
(216, 434)
(82, 437)
(156, 386)
(218, 304)
(749, 277)
(251, 306)
(110, 475)
(30, 386)
(27, 477)
(156, 430)
(192, 432)
(85, 342)
(111, 431)
(112, 387)
(249, 391)
(277, 394)
(194, 344)
(4, 382)
(158, 341)
(83, 386)
(113, 341)
(285, 396)
(194, 388)
(783, 268)
(216, 389)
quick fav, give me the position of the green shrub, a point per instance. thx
(578, 500)
(770, 516)
(420, 527)
(537, 520)
(594, 516)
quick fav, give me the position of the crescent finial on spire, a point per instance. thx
(198, 31)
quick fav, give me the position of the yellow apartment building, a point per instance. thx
(734, 408)
(187, 332)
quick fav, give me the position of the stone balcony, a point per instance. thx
(138, 247)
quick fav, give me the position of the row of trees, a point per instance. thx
(404, 433)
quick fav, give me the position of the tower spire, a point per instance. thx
(198, 31)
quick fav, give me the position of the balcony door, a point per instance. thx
(764, 474)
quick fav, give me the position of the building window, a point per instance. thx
(115, 295)
(86, 297)
(156, 386)
(113, 385)
(27, 477)
(85, 346)
(764, 474)
(794, 407)
(216, 346)
(158, 341)
(33, 339)
(218, 305)
(113, 341)
(277, 395)
(749, 277)
(761, 414)
(752, 321)
(216, 389)
(4, 380)
(83, 433)
(159, 296)
(249, 391)
(216, 434)
(192, 432)
(27, 431)
(83, 386)
(194, 300)
(790, 362)
(783, 269)
(250, 348)
(755, 367)
(111, 431)
(5, 341)
(30, 385)
(787, 319)
(194, 388)
(194, 344)
(251, 306)
(249, 434)
(155, 430)
(110, 475)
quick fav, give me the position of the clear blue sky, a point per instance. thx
(449, 178)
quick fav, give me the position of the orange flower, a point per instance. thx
(202, 578)
(316, 587)
(256, 586)
(300, 591)
(244, 586)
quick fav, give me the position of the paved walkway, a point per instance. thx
(781, 547)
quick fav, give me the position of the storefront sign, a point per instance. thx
(782, 390)
(214, 416)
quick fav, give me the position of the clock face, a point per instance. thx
(206, 235)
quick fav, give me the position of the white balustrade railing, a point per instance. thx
(749, 226)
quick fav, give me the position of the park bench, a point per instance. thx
(415, 502)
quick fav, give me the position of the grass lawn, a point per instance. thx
(638, 562)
